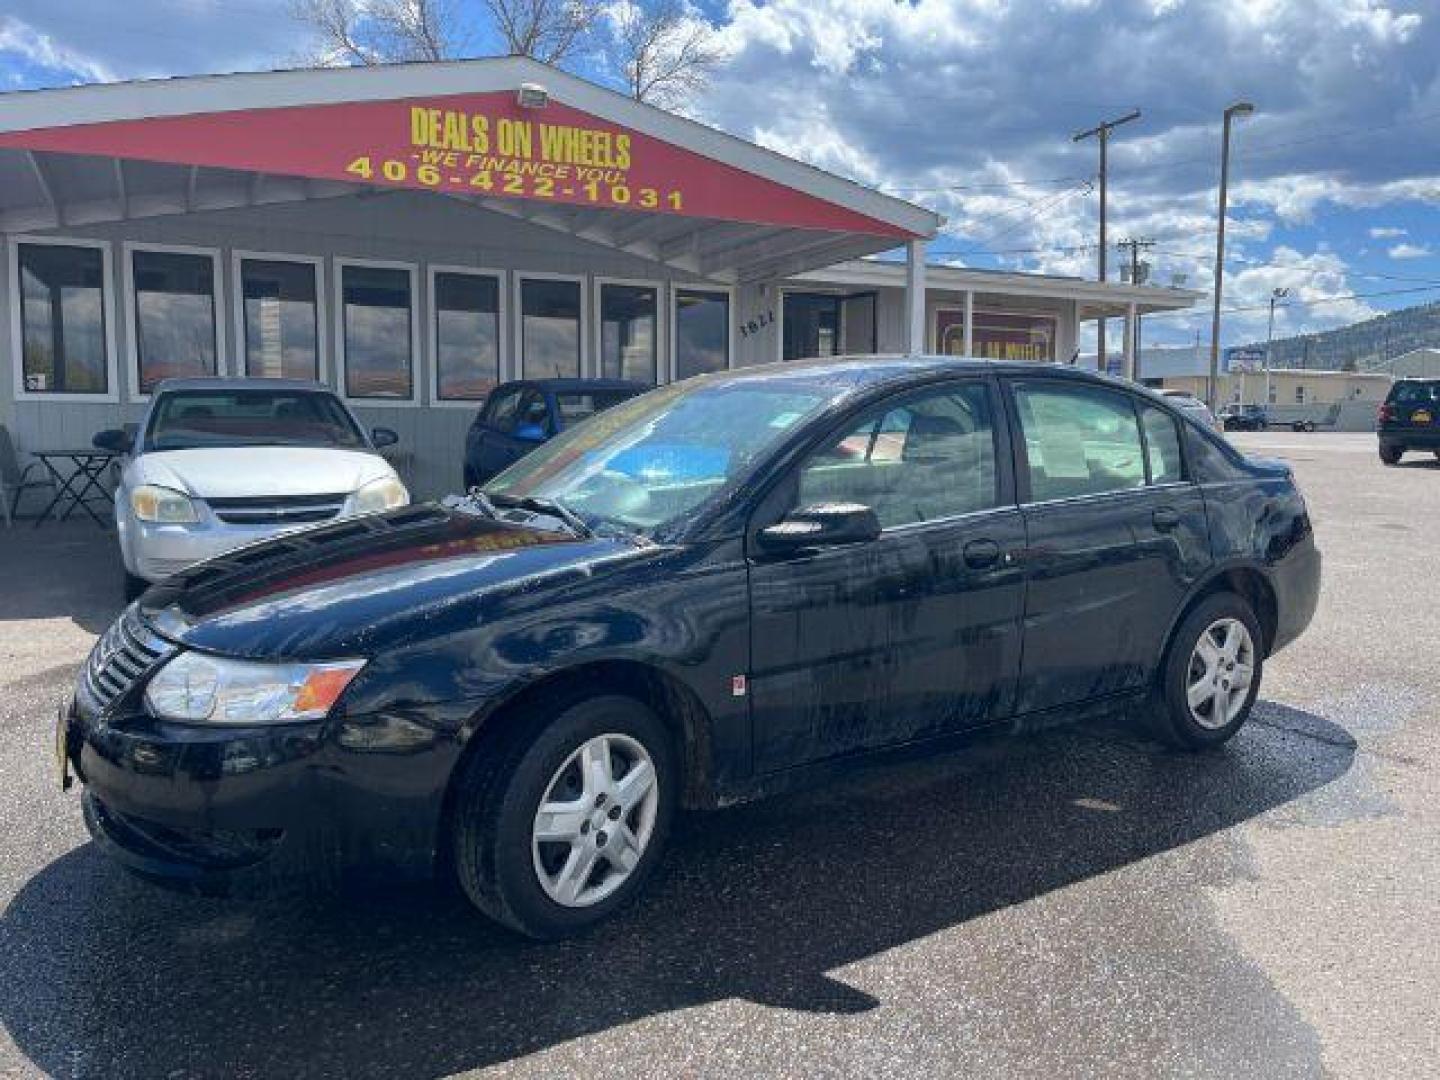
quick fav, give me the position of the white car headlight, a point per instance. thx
(161, 504)
(198, 689)
(383, 494)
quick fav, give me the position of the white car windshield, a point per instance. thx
(189, 419)
(657, 458)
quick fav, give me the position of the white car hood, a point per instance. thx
(240, 472)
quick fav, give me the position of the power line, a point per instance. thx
(1310, 303)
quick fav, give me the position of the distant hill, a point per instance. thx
(1362, 345)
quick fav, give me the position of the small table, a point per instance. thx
(77, 486)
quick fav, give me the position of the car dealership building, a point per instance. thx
(413, 234)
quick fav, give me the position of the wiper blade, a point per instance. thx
(553, 507)
(480, 499)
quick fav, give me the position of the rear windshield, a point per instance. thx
(1415, 393)
(576, 407)
(188, 419)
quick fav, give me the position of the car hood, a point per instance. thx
(241, 471)
(369, 584)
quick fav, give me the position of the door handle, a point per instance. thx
(981, 554)
(1165, 518)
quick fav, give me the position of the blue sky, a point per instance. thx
(968, 106)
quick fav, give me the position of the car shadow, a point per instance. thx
(62, 570)
(113, 978)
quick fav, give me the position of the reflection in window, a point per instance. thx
(467, 335)
(62, 319)
(376, 303)
(1079, 441)
(1162, 446)
(174, 315)
(628, 338)
(282, 333)
(550, 328)
(702, 332)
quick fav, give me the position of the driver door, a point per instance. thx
(913, 634)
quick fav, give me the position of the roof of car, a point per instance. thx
(562, 386)
(236, 382)
(860, 372)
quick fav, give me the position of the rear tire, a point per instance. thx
(605, 848)
(1391, 455)
(1210, 676)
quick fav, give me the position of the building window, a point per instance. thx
(281, 319)
(174, 315)
(549, 328)
(820, 324)
(377, 332)
(702, 332)
(629, 332)
(1273, 396)
(467, 335)
(1300, 394)
(64, 344)
(997, 335)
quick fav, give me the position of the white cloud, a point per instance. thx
(43, 51)
(1387, 232)
(1409, 251)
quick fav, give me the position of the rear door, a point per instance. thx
(1116, 537)
(915, 633)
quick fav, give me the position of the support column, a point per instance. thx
(969, 322)
(915, 296)
(1127, 367)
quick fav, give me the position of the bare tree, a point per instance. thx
(351, 32)
(665, 50)
(548, 30)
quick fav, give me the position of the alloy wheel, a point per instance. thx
(595, 820)
(1221, 669)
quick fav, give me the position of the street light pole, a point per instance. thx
(1240, 108)
(1102, 132)
(1275, 294)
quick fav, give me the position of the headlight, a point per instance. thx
(198, 689)
(153, 503)
(383, 494)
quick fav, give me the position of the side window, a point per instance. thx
(500, 412)
(1162, 445)
(928, 456)
(1079, 441)
(533, 412)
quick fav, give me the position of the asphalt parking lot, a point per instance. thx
(1079, 903)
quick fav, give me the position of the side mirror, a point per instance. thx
(821, 525)
(383, 436)
(529, 433)
(114, 440)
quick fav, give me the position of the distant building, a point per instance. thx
(1298, 393)
(1415, 364)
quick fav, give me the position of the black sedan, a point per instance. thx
(519, 416)
(731, 585)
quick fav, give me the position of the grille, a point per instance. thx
(277, 509)
(124, 654)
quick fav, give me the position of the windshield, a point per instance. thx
(656, 458)
(188, 419)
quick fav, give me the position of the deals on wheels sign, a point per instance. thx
(482, 144)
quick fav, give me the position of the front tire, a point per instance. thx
(1391, 455)
(556, 827)
(1211, 674)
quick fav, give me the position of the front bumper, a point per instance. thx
(250, 810)
(158, 550)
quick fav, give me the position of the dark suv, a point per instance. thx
(717, 590)
(1409, 419)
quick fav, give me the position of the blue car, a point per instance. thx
(519, 416)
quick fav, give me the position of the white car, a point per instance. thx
(218, 463)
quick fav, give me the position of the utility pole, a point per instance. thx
(1240, 108)
(1139, 274)
(1275, 294)
(1102, 132)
